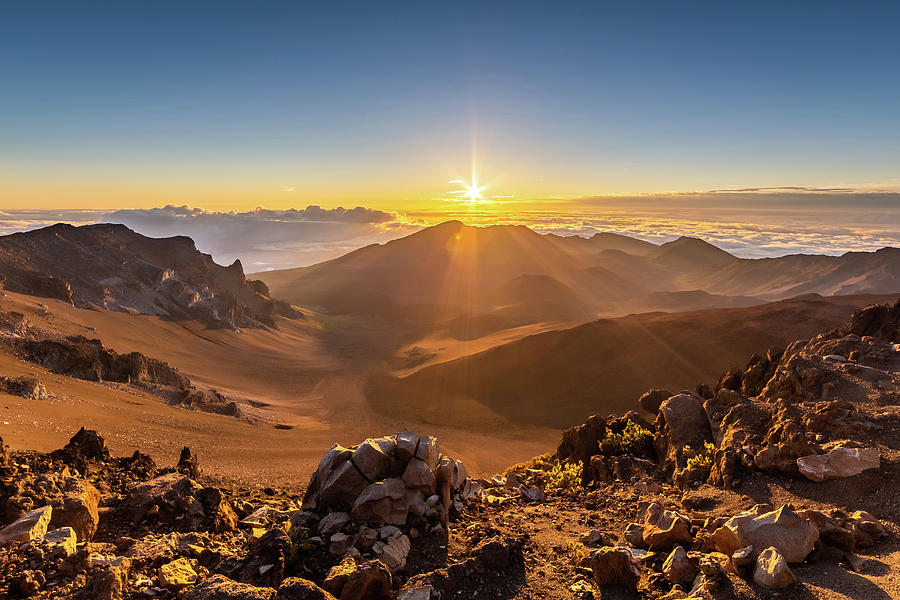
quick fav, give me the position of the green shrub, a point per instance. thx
(565, 476)
(702, 459)
(634, 439)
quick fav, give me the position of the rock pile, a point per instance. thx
(387, 481)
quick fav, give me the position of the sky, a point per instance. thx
(228, 106)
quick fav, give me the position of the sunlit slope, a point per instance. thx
(558, 378)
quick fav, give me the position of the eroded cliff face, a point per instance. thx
(114, 268)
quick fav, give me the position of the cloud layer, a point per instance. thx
(750, 224)
(268, 239)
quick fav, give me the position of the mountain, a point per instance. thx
(688, 254)
(452, 269)
(111, 267)
(560, 377)
(602, 241)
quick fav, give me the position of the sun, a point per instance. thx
(473, 191)
(470, 190)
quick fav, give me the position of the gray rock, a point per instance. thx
(333, 522)
(419, 477)
(382, 502)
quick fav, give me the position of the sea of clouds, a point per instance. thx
(750, 224)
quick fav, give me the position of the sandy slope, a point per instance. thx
(304, 375)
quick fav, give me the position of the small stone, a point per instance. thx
(333, 522)
(177, 574)
(772, 570)
(339, 543)
(395, 552)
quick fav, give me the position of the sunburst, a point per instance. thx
(470, 189)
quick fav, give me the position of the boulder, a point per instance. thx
(340, 490)
(460, 476)
(614, 566)
(295, 588)
(651, 400)
(266, 561)
(679, 568)
(416, 593)
(62, 541)
(665, 528)
(382, 502)
(838, 463)
(173, 500)
(177, 575)
(30, 526)
(742, 560)
(339, 543)
(219, 587)
(78, 509)
(581, 442)
(772, 570)
(793, 536)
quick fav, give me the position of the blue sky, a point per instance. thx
(237, 104)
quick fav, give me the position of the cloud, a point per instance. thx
(750, 224)
(266, 239)
(15, 220)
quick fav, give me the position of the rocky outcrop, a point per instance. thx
(83, 358)
(175, 501)
(114, 268)
(651, 400)
(879, 320)
(28, 387)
